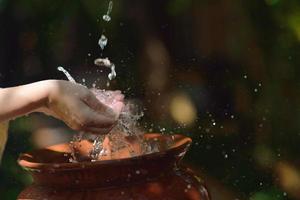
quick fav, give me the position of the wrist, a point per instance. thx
(39, 93)
(48, 90)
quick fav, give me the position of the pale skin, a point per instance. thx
(72, 103)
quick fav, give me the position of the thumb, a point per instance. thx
(117, 107)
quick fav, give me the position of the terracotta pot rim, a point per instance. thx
(32, 166)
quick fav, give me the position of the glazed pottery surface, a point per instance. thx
(152, 176)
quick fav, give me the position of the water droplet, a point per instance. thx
(102, 62)
(106, 18)
(137, 172)
(255, 90)
(245, 76)
(112, 75)
(110, 7)
(102, 41)
(214, 123)
(67, 74)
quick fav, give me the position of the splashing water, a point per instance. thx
(102, 41)
(69, 77)
(97, 149)
(106, 17)
(106, 63)
(126, 127)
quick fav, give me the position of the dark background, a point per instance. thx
(223, 72)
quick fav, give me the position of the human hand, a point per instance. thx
(79, 108)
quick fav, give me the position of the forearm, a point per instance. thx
(21, 100)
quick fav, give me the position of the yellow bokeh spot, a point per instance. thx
(182, 109)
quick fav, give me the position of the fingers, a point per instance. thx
(119, 97)
(113, 109)
(81, 117)
(92, 118)
(95, 130)
(99, 107)
(80, 109)
(99, 118)
(118, 106)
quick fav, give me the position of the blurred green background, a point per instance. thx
(223, 72)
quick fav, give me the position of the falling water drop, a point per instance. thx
(105, 62)
(70, 78)
(106, 17)
(102, 41)
(112, 75)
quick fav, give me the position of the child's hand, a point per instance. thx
(79, 108)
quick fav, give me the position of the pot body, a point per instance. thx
(155, 176)
(179, 184)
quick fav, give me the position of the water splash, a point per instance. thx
(105, 62)
(97, 149)
(126, 127)
(69, 77)
(106, 17)
(73, 146)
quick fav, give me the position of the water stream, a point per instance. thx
(126, 126)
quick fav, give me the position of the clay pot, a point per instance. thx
(148, 177)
